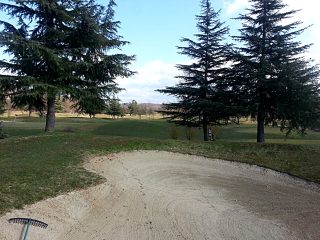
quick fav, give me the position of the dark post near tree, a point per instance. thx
(268, 50)
(200, 100)
(2, 102)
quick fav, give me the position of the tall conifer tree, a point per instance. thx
(200, 99)
(62, 47)
(279, 85)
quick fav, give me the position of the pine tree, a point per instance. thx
(298, 106)
(90, 104)
(277, 84)
(114, 108)
(200, 97)
(36, 63)
(133, 107)
(65, 49)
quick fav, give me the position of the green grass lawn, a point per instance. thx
(35, 165)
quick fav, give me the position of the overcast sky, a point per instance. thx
(154, 29)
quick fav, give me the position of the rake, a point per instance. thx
(27, 222)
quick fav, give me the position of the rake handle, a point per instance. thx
(26, 233)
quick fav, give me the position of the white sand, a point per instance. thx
(160, 195)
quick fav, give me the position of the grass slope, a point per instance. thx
(35, 166)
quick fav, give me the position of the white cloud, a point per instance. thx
(309, 10)
(153, 75)
(235, 6)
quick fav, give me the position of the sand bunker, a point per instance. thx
(160, 195)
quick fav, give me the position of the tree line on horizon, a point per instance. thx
(71, 49)
(112, 107)
(116, 109)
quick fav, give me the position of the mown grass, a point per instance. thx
(35, 165)
(160, 129)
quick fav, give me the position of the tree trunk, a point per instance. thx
(260, 127)
(50, 118)
(205, 128)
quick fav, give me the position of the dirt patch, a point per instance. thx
(160, 195)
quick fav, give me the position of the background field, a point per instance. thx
(149, 128)
(35, 165)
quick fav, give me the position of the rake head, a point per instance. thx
(30, 221)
